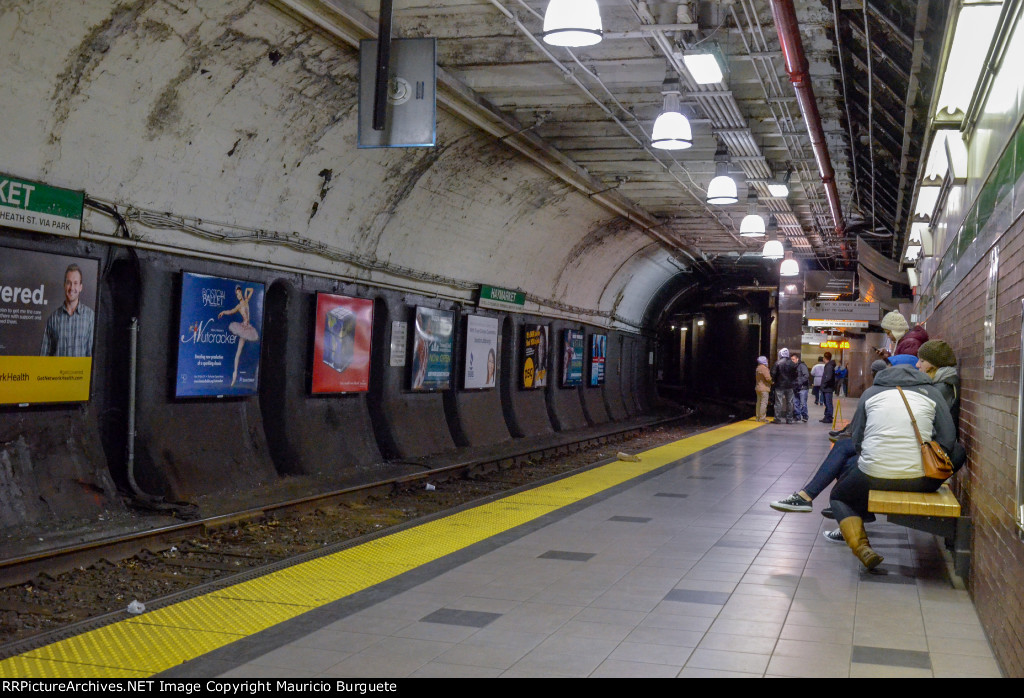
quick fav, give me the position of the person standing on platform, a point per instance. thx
(841, 374)
(828, 385)
(762, 386)
(784, 380)
(907, 340)
(816, 376)
(803, 382)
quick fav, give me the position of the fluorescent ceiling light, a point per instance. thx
(700, 323)
(975, 27)
(913, 277)
(956, 156)
(572, 23)
(937, 164)
(917, 231)
(671, 129)
(703, 67)
(913, 251)
(742, 316)
(779, 187)
(926, 198)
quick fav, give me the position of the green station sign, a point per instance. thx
(38, 207)
(500, 298)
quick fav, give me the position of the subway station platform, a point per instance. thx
(671, 566)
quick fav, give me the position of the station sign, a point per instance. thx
(822, 322)
(842, 310)
(835, 344)
(38, 207)
(501, 298)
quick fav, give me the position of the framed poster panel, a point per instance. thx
(219, 333)
(535, 356)
(598, 354)
(572, 358)
(481, 352)
(341, 344)
(432, 343)
(47, 327)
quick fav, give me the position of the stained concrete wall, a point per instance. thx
(479, 412)
(614, 378)
(308, 434)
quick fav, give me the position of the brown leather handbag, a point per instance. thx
(934, 459)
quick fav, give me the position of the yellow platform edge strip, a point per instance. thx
(162, 639)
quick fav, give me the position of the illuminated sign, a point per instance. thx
(832, 344)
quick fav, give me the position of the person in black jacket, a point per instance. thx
(828, 385)
(784, 379)
(800, 388)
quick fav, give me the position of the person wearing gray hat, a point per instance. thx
(784, 378)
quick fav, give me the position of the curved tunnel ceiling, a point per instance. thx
(230, 130)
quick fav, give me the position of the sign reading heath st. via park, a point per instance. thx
(38, 207)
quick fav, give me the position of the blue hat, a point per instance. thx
(903, 360)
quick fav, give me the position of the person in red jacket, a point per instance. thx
(907, 340)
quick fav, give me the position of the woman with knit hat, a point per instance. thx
(762, 386)
(936, 358)
(907, 340)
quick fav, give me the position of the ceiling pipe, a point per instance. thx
(796, 65)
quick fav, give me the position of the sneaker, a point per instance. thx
(835, 536)
(793, 503)
(826, 420)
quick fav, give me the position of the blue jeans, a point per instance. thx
(826, 397)
(800, 404)
(841, 458)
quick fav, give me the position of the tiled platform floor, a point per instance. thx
(686, 572)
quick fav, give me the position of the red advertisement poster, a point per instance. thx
(341, 345)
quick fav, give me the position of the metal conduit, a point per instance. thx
(796, 65)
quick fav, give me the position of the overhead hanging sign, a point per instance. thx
(34, 206)
(842, 310)
(821, 322)
(501, 298)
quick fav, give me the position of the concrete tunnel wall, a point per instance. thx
(229, 133)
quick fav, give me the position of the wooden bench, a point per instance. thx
(936, 512)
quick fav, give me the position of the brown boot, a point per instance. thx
(857, 538)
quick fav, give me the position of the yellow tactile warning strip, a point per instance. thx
(159, 640)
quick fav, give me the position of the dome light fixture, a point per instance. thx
(722, 189)
(752, 225)
(789, 266)
(671, 129)
(572, 23)
(772, 248)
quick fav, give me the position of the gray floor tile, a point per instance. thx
(911, 659)
(716, 598)
(566, 555)
(617, 668)
(458, 616)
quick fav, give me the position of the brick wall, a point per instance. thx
(988, 426)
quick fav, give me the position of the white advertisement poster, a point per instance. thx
(481, 351)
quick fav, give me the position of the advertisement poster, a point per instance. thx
(598, 353)
(481, 351)
(432, 345)
(572, 358)
(535, 356)
(341, 344)
(219, 336)
(47, 327)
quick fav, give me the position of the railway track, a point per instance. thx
(61, 592)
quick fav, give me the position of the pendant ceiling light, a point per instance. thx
(752, 225)
(572, 23)
(722, 189)
(789, 266)
(671, 129)
(773, 248)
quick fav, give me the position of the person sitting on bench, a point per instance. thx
(889, 454)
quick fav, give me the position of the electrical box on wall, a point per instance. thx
(412, 89)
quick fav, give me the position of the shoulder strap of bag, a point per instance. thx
(912, 420)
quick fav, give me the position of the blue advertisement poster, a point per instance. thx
(219, 336)
(572, 358)
(598, 353)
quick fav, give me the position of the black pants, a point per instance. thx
(850, 495)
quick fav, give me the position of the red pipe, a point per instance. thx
(796, 65)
